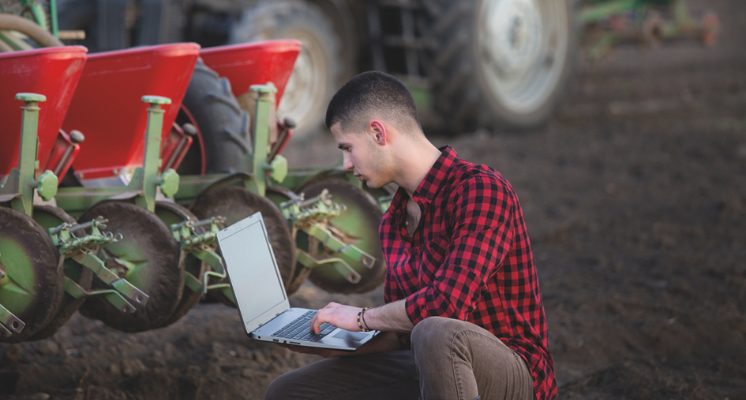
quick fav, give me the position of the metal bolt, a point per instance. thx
(76, 136)
(189, 129)
(289, 122)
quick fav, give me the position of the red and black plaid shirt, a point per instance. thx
(469, 259)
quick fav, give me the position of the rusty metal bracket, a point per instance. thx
(120, 285)
(114, 297)
(302, 213)
(63, 236)
(345, 269)
(331, 240)
(82, 250)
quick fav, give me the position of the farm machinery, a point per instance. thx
(492, 64)
(129, 161)
(99, 212)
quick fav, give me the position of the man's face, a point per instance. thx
(362, 155)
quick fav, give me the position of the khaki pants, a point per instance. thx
(450, 359)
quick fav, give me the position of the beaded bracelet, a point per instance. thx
(360, 320)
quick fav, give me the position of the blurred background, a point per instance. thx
(622, 128)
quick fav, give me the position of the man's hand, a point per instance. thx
(390, 317)
(339, 315)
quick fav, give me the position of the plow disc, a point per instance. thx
(148, 257)
(50, 217)
(31, 286)
(357, 225)
(236, 203)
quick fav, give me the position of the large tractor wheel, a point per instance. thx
(171, 214)
(319, 68)
(50, 217)
(148, 257)
(31, 285)
(499, 63)
(236, 203)
(359, 223)
(34, 32)
(222, 125)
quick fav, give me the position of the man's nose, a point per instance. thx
(347, 163)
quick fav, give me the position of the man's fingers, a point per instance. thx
(313, 320)
(316, 323)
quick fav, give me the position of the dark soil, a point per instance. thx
(635, 200)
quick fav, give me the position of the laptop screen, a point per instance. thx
(254, 277)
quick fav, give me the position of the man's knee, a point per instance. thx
(277, 388)
(434, 333)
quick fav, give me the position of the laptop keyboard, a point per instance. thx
(299, 329)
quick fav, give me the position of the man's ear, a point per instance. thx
(378, 130)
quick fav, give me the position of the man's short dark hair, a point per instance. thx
(372, 94)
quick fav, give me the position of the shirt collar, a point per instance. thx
(430, 185)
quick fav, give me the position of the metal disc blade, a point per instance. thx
(31, 286)
(157, 268)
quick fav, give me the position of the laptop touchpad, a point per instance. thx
(351, 336)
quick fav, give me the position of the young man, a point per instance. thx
(463, 317)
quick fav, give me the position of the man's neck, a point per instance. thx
(416, 162)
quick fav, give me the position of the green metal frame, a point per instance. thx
(82, 249)
(21, 183)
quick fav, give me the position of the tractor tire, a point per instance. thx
(499, 64)
(221, 123)
(80, 15)
(319, 68)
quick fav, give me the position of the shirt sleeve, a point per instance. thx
(482, 218)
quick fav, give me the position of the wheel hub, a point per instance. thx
(515, 29)
(522, 48)
(299, 85)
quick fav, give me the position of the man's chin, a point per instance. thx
(371, 185)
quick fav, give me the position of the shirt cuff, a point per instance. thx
(415, 306)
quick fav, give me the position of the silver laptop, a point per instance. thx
(260, 294)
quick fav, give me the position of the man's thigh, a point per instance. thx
(375, 376)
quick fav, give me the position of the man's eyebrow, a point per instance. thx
(341, 146)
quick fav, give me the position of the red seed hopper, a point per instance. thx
(53, 72)
(108, 110)
(254, 63)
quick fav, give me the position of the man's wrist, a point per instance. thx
(362, 316)
(361, 321)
